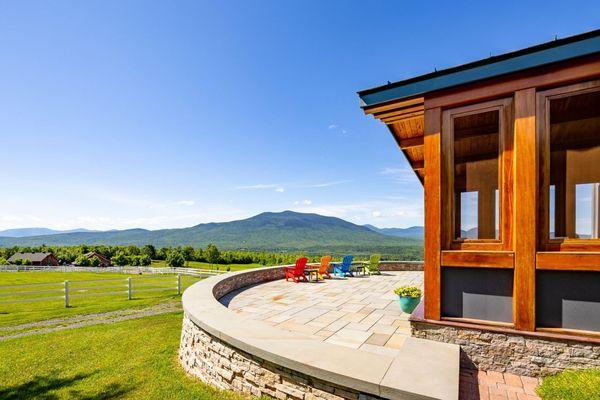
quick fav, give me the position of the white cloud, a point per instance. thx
(187, 203)
(303, 202)
(258, 186)
(280, 190)
(324, 184)
(389, 213)
(332, 126)
(400, 175)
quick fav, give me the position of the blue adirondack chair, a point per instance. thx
(342, 269)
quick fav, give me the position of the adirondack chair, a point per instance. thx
(373, 267)
(296, 273)
(323, 272)
(342, 269)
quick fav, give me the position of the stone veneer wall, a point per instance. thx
(517, 354)
(401, 265)
(217, 363)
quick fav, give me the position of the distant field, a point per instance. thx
(134, 360)
(203, 265)
(86, 290)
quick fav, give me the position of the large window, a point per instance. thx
(476, 140)
(573, 190)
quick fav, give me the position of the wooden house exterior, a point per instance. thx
(103, 261)
(508, 151)
(45, 259)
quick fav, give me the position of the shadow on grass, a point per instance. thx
(42, 387)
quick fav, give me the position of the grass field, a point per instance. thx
(85, 288)
(203, 265)
(134, 359)
(571, 385)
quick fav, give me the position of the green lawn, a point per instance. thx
(203, 265)
(134, 359)
(84, 290)
(571, 385)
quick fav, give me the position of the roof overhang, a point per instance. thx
(401, 105)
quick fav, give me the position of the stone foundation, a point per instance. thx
(217, 363)
(401, 265)
(517, 354)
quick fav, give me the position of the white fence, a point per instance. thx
(124, 270)
(68, 290)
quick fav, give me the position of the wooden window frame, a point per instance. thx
(543, 122)
(505, 176)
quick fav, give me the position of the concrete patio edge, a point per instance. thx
(423, 370)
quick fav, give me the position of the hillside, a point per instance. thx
(415, 232)
(25, 232)
(267, 231)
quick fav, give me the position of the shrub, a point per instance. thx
(408, 291)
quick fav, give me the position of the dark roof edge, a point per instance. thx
(480, 63)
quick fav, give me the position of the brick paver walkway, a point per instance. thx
(481, 385)
(361, 313)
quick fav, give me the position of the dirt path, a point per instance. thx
(110, 317)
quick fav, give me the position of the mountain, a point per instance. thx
(286, 230)
(26, 232)
(416, 232)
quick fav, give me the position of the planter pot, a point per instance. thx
(408, 304)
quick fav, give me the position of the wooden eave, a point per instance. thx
(405, 120)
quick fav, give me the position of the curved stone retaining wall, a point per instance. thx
(215, 362)
(223, 349)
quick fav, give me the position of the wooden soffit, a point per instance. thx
(405, 120)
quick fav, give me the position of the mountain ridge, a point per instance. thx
(287, 230)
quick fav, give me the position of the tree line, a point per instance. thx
(181, 255)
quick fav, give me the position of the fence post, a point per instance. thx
(178, 284)
(129, 288)
(66, 294)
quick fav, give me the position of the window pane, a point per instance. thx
(574, 166)
(476, 157)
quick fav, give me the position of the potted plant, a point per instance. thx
(409, 297)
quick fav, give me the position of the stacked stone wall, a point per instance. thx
(517, 354)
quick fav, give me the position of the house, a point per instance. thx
(508, 151)
(104, 262)
(35, 258)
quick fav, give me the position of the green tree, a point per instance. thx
(83, 261)
(150, 251)
(94, 262)
(175, 259)
(144, 260)
(120, 259)
(212, 254)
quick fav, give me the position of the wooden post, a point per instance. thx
(179, 284)
(129, 289)
(67, 294)
(433, 188)
(525, 209)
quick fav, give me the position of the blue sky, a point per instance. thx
(120, 114)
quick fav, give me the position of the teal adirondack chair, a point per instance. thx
(342, 269)
(373, 267)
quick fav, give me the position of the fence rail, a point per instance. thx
(67, 290)
(124, 270)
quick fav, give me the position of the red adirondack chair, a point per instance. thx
(296, 273)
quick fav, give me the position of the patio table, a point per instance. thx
(362, 265)
(312, 272)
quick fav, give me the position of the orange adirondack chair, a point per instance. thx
(296, 273)
(323, 272)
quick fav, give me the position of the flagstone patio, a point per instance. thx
(361, 313)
